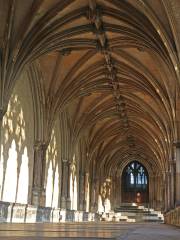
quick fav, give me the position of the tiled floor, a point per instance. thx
(119, 231)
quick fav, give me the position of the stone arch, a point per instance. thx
(134, 189)
(16, 143)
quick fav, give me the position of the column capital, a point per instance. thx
(38, 189)
(156, 175)
(166, 173)
(64, 160)
(40, 145)
(176, 144)
(151, 177)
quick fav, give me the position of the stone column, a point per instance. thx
(113, 192)
(119, 191)
(92, 195)
(167, 190)
(81, 190)
(172, 183)
(38, 191)
(161, 196)
(86, 200)
(151, 189)
(2, 113)
(155, 191)
(158, 204)
(64, 183)
(68, 200)
(97, 194)
(177, 145)
(116, 192)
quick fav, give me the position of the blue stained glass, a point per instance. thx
(139, 179)
(132, 178)
(136, 176)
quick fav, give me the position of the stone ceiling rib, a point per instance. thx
(111, 62)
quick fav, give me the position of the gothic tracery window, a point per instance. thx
(135, 176)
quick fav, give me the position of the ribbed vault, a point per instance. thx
(109, 69)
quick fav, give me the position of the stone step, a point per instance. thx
(134, 213)
(130, 210)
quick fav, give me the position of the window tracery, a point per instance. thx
(135, 176)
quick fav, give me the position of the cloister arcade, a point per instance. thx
(86, 89)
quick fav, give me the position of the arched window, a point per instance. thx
(135, 176)
(135, 183)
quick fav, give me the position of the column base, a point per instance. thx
(38, 197)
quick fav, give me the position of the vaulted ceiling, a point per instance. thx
(111, 64)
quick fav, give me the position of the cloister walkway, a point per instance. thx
(87, 231)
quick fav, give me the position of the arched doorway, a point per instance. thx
(135, 183)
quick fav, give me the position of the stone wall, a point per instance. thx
(173, 217)
(24, 213)
(17, 141)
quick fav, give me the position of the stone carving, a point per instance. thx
(4, 211)
(19, 211)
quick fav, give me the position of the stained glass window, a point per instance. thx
(135, 176)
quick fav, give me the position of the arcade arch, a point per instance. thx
(98, 86)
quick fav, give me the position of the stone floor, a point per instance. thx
(89, 231)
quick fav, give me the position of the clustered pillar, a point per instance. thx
(158, 189)
(172, 183)
(164, 190)
(38, 192)
(82, 191)
(177, 174)
(64, 184)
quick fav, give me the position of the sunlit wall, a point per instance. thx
(104, 203)
(73, 191)
(53, 167)
(87, 192)
(100, 205)
(73, 184)
(16, 166)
